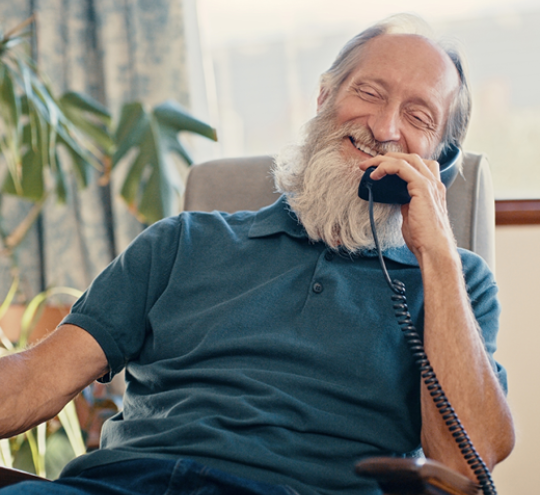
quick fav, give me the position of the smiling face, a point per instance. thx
(401, 93)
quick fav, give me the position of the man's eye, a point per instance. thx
(368, 93)
(364, 91)
(421, 120)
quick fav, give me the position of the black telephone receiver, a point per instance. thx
(392, 189)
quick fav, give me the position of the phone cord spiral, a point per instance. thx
(416, 346)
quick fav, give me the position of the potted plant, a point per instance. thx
(34, 124)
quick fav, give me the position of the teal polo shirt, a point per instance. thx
(251, 349)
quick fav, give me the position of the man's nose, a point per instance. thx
(385, 125)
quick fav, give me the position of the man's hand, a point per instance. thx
(426, 227)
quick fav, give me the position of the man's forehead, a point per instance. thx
(408, 54)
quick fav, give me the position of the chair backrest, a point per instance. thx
(234, 184)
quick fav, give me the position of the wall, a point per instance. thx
(518, 276)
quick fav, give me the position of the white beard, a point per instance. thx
(321, 188)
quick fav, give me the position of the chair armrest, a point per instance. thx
(10, 476)
(415, 476)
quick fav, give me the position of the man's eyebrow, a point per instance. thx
(367, 80)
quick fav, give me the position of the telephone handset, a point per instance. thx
(392, 189)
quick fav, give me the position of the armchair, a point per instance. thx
(246, 184)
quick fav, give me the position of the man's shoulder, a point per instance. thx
(478, 275)
(473, 262)
(274, 217)
(215, 221)
(237, 217)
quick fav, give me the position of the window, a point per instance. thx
(266, 58)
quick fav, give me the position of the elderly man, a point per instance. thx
(261, 351)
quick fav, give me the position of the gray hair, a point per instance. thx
(347, 61)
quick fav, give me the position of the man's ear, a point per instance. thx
(324, 93)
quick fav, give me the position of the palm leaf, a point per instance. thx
(75, 121)
(89, 117)
(131, 128)
(86, 103)
(170, 114)
(152, 182)
(10, 113)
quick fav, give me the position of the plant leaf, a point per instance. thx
(156, 136)
(171, 114)
(61, 185)
(70, 422)
(59, 453)
(160, 191)
(81, 101)
(151, 207)
(6, 303)
(23, 458)
(6, 459)
(32, 312)
(134, 178)
(11, 105)
(89, 117)
(37, 460)
(171, 142)
(152, 198)
(133, 126)
(81, 167)
(32, 182)
(10, 112)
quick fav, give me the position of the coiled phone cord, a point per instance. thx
(415, 344)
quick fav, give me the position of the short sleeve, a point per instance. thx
(483, 290)
(115, 306)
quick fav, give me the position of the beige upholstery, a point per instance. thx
(234, 184)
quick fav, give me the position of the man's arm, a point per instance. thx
(37, 383)
(451, 336)
(455, 348)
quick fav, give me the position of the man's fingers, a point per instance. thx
(401, 164)
(434, 167)
(393, 166)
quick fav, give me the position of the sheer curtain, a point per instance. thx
(116, 51)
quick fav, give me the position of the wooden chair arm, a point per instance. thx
(415, 476)
(10, 476)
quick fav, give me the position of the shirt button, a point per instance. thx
(329, 256)
(317, 288)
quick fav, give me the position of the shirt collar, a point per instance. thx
(279, 218)
(400, 254)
